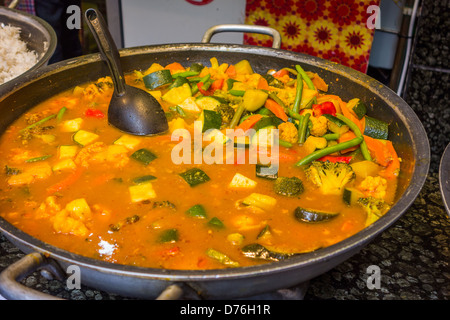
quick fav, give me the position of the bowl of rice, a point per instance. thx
(26, 43)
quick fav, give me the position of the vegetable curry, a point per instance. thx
(74, 181)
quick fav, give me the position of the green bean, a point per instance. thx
(331, 136)
(294, 115)
(329, 150)
(42, 158)
(185, 74)
(275, 98)
(305, 77)
(60, 113)
(298, 94)
(285, 144)
(237, 116)
(302, 128)
(39, 122)
(355, 129)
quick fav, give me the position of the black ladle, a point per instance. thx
(131, 109)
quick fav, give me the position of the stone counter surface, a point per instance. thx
(413, 256)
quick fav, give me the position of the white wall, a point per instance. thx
(147, 22)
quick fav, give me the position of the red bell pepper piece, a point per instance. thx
(94, 113)
(324, 108)
(216, 85)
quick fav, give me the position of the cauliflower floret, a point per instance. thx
(374, 187)
(288, 132)
(319, 126)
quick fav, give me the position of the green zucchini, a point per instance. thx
(168, 236)
(376, 128)
(83, 137)
(221, 257)
(267, 122)
(197, 67)
(195, 177)
(210, 120)
(208, 102)
(143, 179)
(351, 196)
(197, 211)
(357, 107)
(157, 79)
(336, 125)
(216, 223)
(144, 156)
(178, 82)
(313, 216)
(257, 251)
(266, 172)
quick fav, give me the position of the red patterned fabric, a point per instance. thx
(24, 5)
(335, 30)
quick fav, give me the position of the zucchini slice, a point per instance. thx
(141, 192)
(210, 120)
(216, 223)
(241, 181)
(197, 211)
(157, 79)
(128, 141)
(358, 108)
(168, 236)
(351, 196)
(83, 137)
(266, 172)
(313, 216)
(195, 177)
(144, 156)
(143, 179)
(207, 102)
(257, 251)
(336, 125)
(376, 128)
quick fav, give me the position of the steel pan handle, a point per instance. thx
(10, 288)
(243, 28)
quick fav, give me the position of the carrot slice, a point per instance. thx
(349, 135)
(249, 122)
(231, 71)
(276, 109)
(69, 180)
(175, 66)
(263, 84)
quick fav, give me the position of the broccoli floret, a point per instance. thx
(226, 112)
(374, 208)
(330, 177)
(289, 187)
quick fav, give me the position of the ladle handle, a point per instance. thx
(107, 47)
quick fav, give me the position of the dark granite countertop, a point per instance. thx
(413, 256)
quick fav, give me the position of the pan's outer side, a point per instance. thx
(406, 132)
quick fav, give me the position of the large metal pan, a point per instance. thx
(444, 178)
(406, 132)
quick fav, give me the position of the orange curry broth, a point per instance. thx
(104, 186)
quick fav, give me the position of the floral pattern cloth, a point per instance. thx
(336, 30)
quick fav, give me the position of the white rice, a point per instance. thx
(15, 58)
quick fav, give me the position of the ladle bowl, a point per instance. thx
(131, 109)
